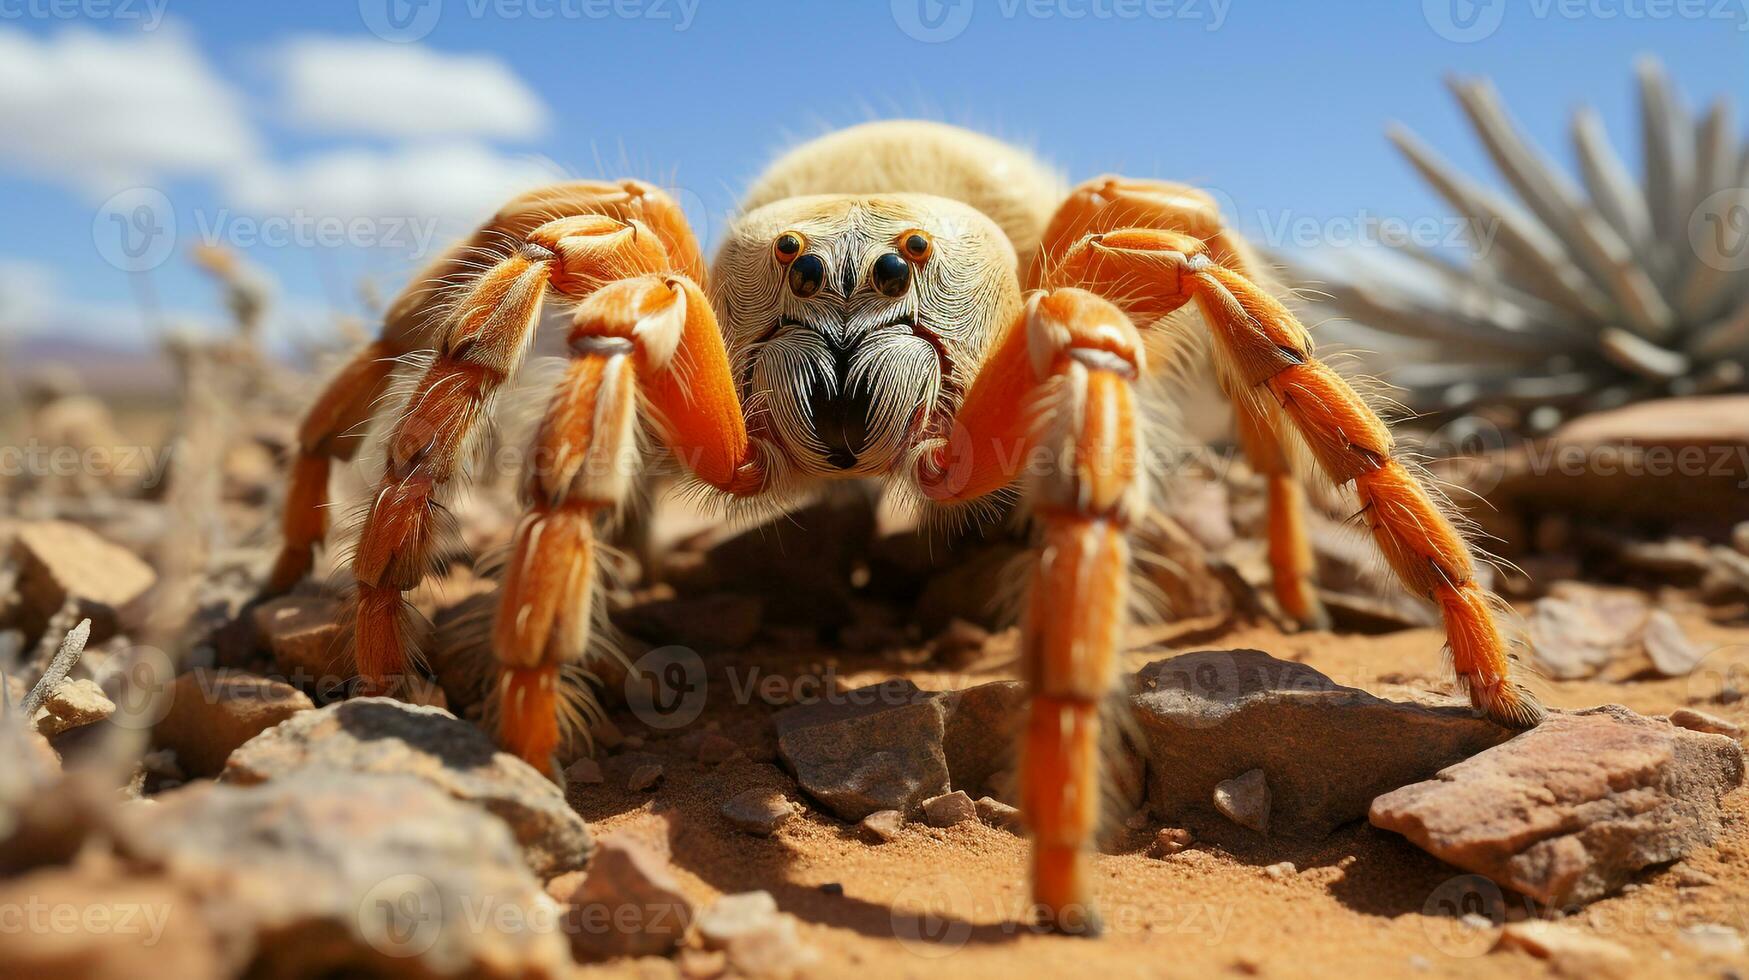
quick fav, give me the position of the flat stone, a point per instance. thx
(1672, 653)
(210, 713)
(73, 704)
(1570, 811)
(629, 904)
(60, 562)
(1571, 950)
(890, 746)
(305, 636)
(758, 811)
(584, 772)
(382, 736)
(949, 809)
(760, 941)
(1577, 635)
(1700, 721)
(1325, 750)
(332, 873)
(999, 814)
(644, 777)
(1244, 800)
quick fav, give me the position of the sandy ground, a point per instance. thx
(955, 899)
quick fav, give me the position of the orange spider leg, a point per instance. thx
(1262, 348)
(484, 341)
(333, 427)
(1062, 379)
(651, 342)
(1111, 203)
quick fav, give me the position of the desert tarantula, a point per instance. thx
(899, 300)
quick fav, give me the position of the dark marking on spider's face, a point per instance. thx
(850, 321)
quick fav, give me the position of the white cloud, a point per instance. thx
(403, 91)
(103, 112)
(456, 184)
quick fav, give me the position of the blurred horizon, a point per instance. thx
(335, 144)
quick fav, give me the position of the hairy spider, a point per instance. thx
(900, 300)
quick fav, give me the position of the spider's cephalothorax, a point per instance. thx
(865, 317)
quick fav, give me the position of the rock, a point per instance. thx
(999, 814)
(1170, 840)
(564, 886)
(715, 748)
(1672, 654)
(969, 588)
(1624, 465)
(1245, 800)
(629, 904)
(949, 809)
(1577, 635)
(378, 735)
(1713, 939)
(209, 713)
(124, 926)
(1280, 871)
(1700, 721)
(890, 746)
(882, 825)
(1572, 951)
(331, 873)
(72, 704)
(758, 811)
(760, 941)
(1569, 811)
(1325, 750)
(644, 777)
(959, 643)
(307, 641)
(724, 621)
(584, 772)
(60, 563)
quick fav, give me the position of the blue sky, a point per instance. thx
(240, 113)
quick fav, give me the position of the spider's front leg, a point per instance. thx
(1062, 379)
(644, 351)
(1265, 356)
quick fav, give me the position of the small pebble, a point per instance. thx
(882, 825)
(949, 809)
(998, 814)
(832, 888)
(714, 749)
(758, 811)
(1245, 800)
(1170, 840)
(1282, 871)
(1700, 721)
(586, 772)
(644, 777)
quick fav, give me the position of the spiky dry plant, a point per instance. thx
(1571, 300)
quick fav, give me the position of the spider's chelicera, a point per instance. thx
(904, 301)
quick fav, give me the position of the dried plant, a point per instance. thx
(1571, 301)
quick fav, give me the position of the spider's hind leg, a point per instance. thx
(1108, 204)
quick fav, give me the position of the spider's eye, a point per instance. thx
(891, 275)
(787, 246)
(806, 275)
(917, 245)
